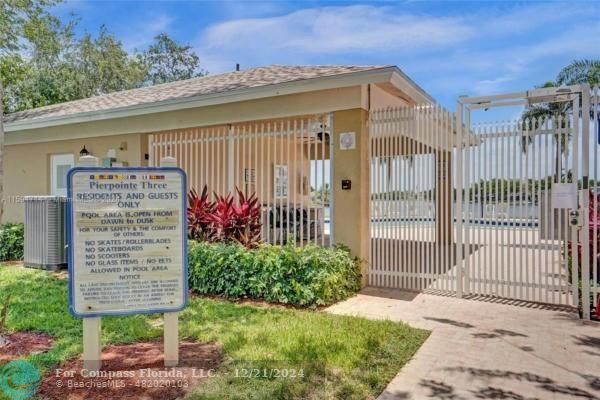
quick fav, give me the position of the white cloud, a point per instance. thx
(491, 85)
(491, 49)
(507, 66)
(332, 30)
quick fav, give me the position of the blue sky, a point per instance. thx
(449, 48)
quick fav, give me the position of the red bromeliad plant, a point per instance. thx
(246, 220)
(223, 220)
(594, 233)
(200, 225)
(594, 249)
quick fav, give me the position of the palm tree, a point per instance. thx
(578, 72)
(322, 195)
(388, 162)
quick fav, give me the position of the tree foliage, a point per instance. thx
(61, 67)
(103, 66)
(578, 72)
(17, 16)
(167, 61)
(44, 62)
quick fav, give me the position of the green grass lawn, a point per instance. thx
(341, 357)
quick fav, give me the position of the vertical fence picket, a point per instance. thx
(594, 135)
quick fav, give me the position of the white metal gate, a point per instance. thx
(468, 209)
(286, 163)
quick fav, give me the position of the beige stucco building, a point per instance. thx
(229, 130)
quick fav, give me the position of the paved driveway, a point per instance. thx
(487, 350)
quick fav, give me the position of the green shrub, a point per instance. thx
(11, 241)
(304, 276)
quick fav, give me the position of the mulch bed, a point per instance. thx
(21, 344)
(249, 301)
(13, 263)
(137, 373)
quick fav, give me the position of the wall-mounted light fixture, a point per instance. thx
(84, 152)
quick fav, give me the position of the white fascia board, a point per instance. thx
(302, 86)
(408, 86)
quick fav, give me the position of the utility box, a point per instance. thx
(45, 232)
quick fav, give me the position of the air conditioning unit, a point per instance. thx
(45, 232)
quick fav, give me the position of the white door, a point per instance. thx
(59, 166)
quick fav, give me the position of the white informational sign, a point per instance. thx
(564, 195)
(280, 181)
(128, 240)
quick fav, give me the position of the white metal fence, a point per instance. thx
(411, 225)
(595, 206)
(286, 163)
(469, 209)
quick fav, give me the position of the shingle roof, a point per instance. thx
(211, 84)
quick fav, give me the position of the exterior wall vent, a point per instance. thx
(45, 232)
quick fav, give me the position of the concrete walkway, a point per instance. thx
(487, 350)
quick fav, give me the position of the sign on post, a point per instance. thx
(127, 241)
(564, 195)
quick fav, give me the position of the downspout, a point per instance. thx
(332, 183)
(369, 198)
(1, 150)
(230, 160)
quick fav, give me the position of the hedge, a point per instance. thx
(302, 276)
(11, 241)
